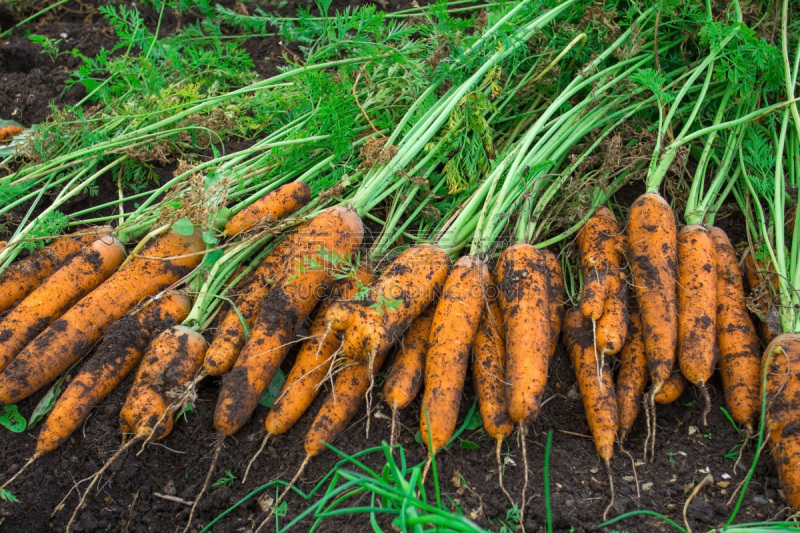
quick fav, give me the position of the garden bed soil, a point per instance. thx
(139, 492)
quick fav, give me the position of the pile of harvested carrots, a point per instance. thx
(688, 318)
(354, 260)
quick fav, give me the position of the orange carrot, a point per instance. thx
(79, 276)
(163, 263)
(292, 298)
(672, 388)
(283, 201)
(632, 377)
(119, 353)
(652, 238)
(612, 328)
(403, 291)
(780, 363)
(736, 337)
(697, 308)
(170, 362)
(653, 256)
(597, 392)
(599, 399)
(455, 323)
(230, 338)
(20, 279)
(523, 281)
(556, 298)
(405, 377)
(313, 361)
(489, 372)
(6, 132)
(600, 250)
(342, 404)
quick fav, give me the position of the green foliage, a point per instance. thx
(11, 419)
(273, 390)
(47, 402)
(49, 46)
(6, 496)
(227, 480)
(50, 226)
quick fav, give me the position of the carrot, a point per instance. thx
(405, 377)
(599, 399)
(672, 388)
(653, 256)
(20, 279)
(455, 323)
(403, 291)
(555, 298)
(632, 377)
(522, 279)
(163, 263)
(600, 251)
(652, 240)
(489, 371)
(612, 328)
(697, 308)
(489, 378)
(230, 338)
(604, 297)
(79, 275)
(341, 405)
(781, 362)
(6, 132)
(171, 361)
(761, 293)
(119, 353)
(283, 201)
(293, 297)
(313, 361)
(736, 337)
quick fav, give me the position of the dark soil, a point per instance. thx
(134, 495)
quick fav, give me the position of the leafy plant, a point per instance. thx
(228, 480)
(49, 46)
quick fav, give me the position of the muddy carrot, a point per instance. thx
(736, 336)
(407, 287)
(672, 388)
(522, 278)
(405, 377)
(79, 276)
(455, 323)
(294, 296)
(780, 363)
(163, 263)
(230, 338)
(697, 308)
(170, 362)
(652, 238)
(118, 354)
(276, 204)
(632, 377)
(20, 279)
(489, 372)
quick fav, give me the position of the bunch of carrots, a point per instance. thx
(216, 292)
